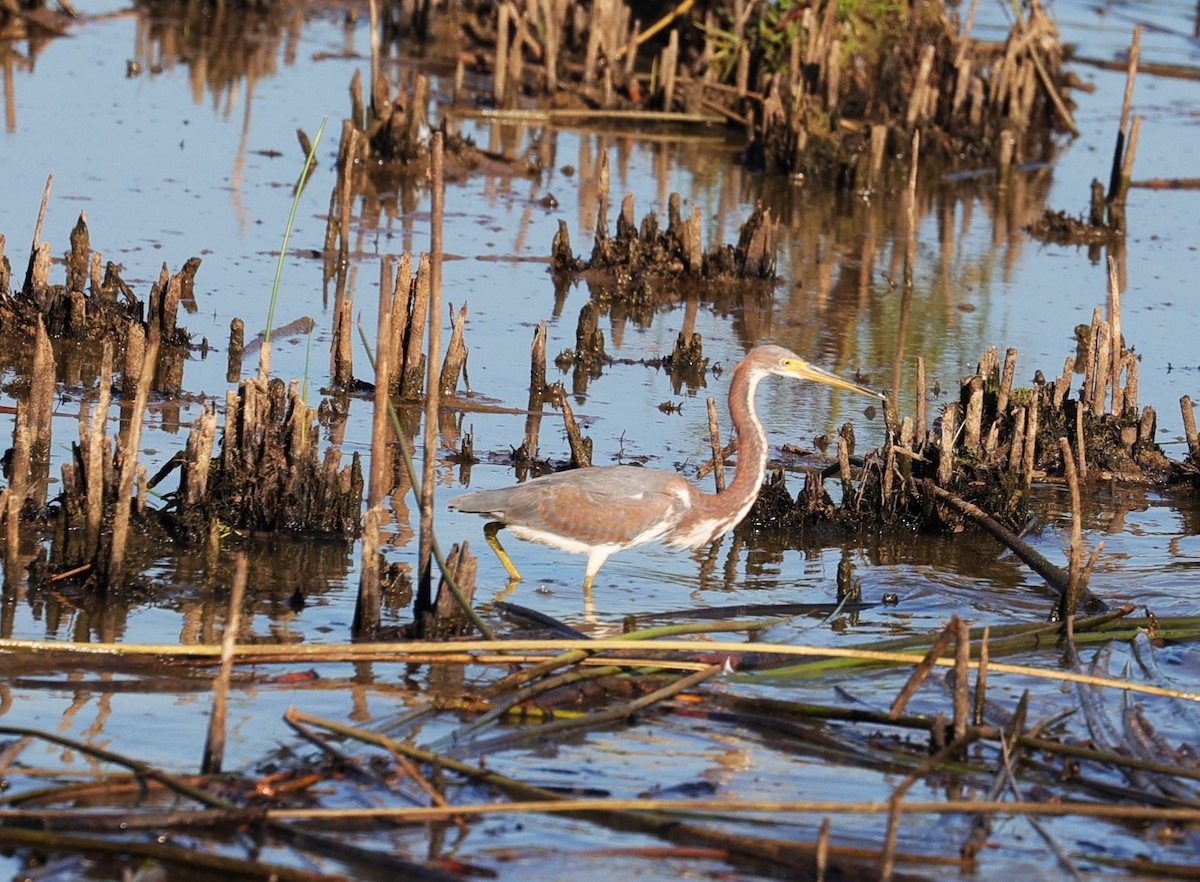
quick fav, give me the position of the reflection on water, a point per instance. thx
(297, 587)
(868, 282)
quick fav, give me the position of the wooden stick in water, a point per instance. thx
(1135, 51)
(1189, 426)
(714, 436)
(214, 747)
(369, 601)
(537, 391)
(97, 446)
(456, 352)
(424, 599)
(37, 234)
(128, 453)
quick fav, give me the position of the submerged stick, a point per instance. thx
(214, 747)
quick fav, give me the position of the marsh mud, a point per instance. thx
(916, 274)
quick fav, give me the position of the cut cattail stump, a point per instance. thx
(398, 291)
(561, 256)
(198, 458)
(528, 451)
(589, 355)
(341, 355)
(845, 450)
(973, 420)
(581, 447)
(39, 411)
(500, 65)
(1031, 429)
(455, 362)
(14, 497)
(135, 357)
(922, 424)
(111, 567)
(411, 369)
(947, 435)
(237, 347)
(369, 602)
(448, 618)
(1188, 411)
(97, 458)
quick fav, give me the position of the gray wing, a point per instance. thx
(609, 505)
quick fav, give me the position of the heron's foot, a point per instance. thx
(489, 533)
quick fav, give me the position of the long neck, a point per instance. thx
(726, 509)
(751, 463)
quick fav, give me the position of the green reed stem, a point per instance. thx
(287, 235)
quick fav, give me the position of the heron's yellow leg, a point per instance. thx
(587, 583)
(489, 533)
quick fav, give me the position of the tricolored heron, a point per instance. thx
(599, 511)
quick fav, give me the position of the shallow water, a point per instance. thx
(182, 161)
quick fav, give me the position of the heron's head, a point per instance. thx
(782, 362)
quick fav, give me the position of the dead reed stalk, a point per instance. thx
(537, 393)
(214, 747)
(368, 604)
(424, 599)
(128, 445)
(95, 440)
